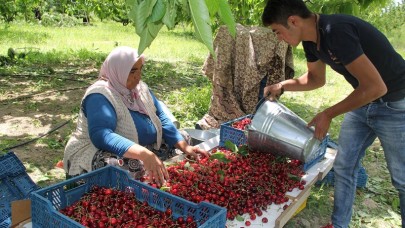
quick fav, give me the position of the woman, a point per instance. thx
(122, 123)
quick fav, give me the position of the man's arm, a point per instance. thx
(313, 79)
(371, 86)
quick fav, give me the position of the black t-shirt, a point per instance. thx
(343, 38)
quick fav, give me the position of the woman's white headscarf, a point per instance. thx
(114, 75)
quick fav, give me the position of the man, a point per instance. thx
(376, 106)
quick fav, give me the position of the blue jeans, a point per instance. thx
(385, 120)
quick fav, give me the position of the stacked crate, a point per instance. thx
(15, 184)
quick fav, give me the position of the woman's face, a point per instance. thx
(134, 75)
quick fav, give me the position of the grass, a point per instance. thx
(397, 38)
(100, 37)
(57, 58)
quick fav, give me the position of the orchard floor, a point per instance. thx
(34, 105)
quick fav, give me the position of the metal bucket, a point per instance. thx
(200, 136)
(278, 130)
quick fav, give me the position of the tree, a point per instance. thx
(345, 6)
(149, 16)
(8, 10)
(27, 8)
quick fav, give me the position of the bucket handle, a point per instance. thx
(260, 102)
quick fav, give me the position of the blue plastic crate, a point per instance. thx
(362, 178)
(10, 165)
(15, 184)
(320, 154)
(46, 202)
(236, 136)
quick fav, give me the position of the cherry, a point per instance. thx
(180, 220)
(108, 191)
(252, 217)
(168, 212)
(189, 219)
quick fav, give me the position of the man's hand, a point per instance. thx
(321, 122)
(275, 91)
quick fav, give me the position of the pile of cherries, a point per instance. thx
(242, 181)
(107, 207)
(241, 124)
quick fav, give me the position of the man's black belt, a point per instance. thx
(382, 100)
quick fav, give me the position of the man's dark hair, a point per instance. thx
(278, 11)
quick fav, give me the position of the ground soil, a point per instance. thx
(37, 115)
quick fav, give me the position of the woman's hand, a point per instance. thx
(154, 168)
(194, 151)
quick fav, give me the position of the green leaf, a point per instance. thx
(170, 17)
(294, 177)
(131, 2)
(226, 16)
(213, 6)
(395, 204)
(202, 25)
(148, 35)
(231, 146)
(184, 6)
(165, 188)
(150, 4)
(188, 166)
(141, 16)
(240, 218)
(133, 13)
(243, 150)
(43, 178)
(154, 28)
(221, 174)
(219, 156)
(362, 214)
(280, 159)
(158, 11)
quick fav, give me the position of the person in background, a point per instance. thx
(122, 123)
(375, 108)
(243, 66)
